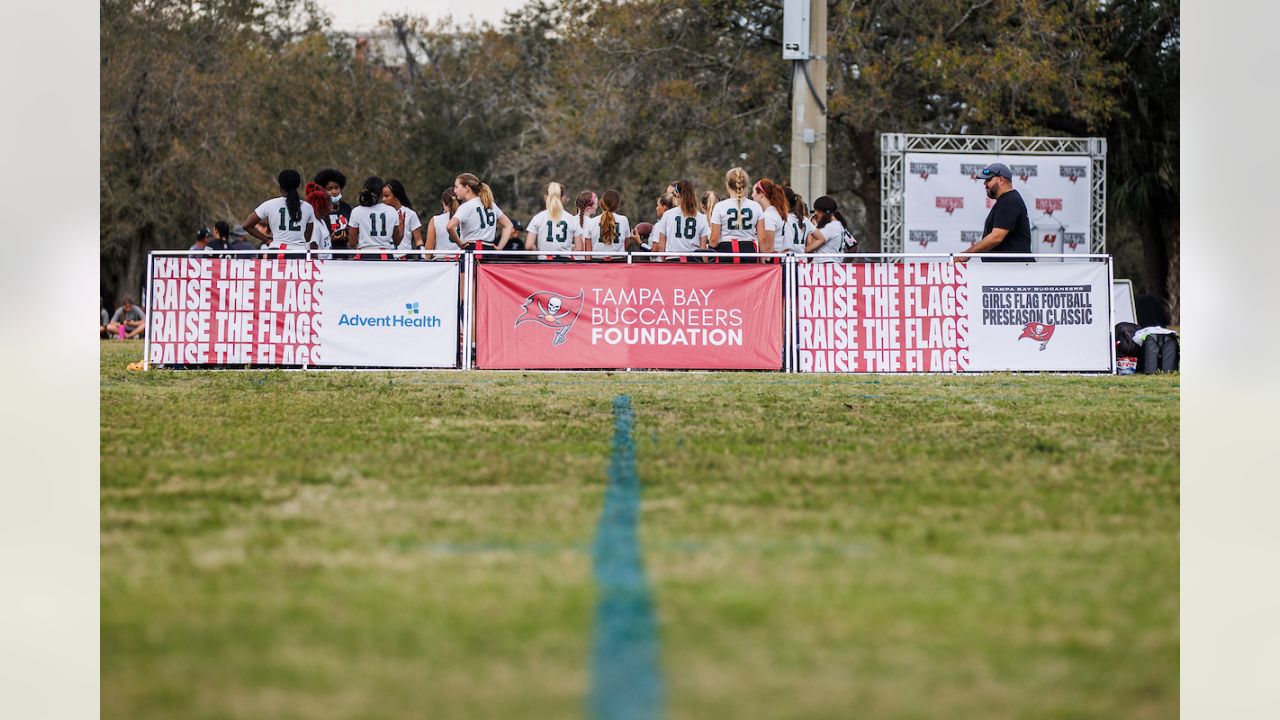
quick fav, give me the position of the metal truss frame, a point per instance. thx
(895, 146)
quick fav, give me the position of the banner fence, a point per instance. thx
(859, 313)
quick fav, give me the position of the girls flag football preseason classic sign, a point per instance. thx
(297, 312)
(668, 315)
(953, 317)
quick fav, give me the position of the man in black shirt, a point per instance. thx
(1008, 229)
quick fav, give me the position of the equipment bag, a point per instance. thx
(1126, 346)
(1159, 354)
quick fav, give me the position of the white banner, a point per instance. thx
(945, 206)
(293, 312)
(953, 317)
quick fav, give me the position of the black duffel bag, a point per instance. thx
(1159, 353)
(1126, 346)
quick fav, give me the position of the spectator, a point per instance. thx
(103, 321)
(221, 236)
(339, 216)
(240, 240)
(128, 322)
(202, 240)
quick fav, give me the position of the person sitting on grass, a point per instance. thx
(128, 322)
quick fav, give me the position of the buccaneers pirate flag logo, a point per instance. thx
(556, 311)
(1038, 332)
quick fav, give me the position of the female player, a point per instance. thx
(321, 203)
(554, 231)
(437, 232)
(394, 195)
(797, 221)
(734, 219)
(375, 226)
(608, 233)
(773, 236)
(708, 202)
(682, 229)
(291, 221)
(474, 226)
(829, 238)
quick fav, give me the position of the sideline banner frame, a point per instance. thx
(952, 317)
(265, 310)
(629, 316)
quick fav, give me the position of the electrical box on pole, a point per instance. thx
(795, 29)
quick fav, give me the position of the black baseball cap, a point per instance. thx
(995, 170)
(203, 233)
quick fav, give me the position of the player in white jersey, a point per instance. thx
(734, 219)
(321, 202)
(291, 220)
(553, 230)
(830, 237)
(394, 195)
(773, 225)
(608, 233)
(798, 226)
(438, 228)
(474, 227)
(682, 229)
(375, 226)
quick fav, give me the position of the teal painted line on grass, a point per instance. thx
(626, 673)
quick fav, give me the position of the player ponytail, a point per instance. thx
(486, 196)
(735, 181)
(585, 199)
(449, 201)
(371, 194)
(289, 181)
(609, 204)
(827, 206)
(687, 198)
(777, 198)
(481, 190)
(319, 200)
(709, 201)
(553, 196)
(397, 189)
(795, 202)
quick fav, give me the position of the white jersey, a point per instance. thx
(773, 222)
(737, 224)
(554, 236)
(411, 223)
(681, 232)
(475, 223)
(323, 239)
(376, 226)
(285, 232)
(443, 241)
(835, 236)
(797, 230)
(619, 245)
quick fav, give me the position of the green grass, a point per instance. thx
(367, 545)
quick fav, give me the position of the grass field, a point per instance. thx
(287, 545)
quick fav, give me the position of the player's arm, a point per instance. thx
(715, 236)
(430, 242)
(507, 231)
(398, 233)
(815, 240)
(417, 240)
(452, 229)
(764, 236)
(251, 226)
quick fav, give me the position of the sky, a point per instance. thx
(351, 15)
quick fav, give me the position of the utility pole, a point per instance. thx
(808, 97)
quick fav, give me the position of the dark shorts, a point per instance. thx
(734, 247)
(371, 255)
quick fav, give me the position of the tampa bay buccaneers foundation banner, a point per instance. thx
(953, 317)
(302, 313)
(945, 205)
(659, 315)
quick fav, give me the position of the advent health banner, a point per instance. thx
(944, 204)
(650, 315)
(953, 317)
(297, 312)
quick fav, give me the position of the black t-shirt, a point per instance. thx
(1010, 213)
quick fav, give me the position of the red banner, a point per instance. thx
(671, 316)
